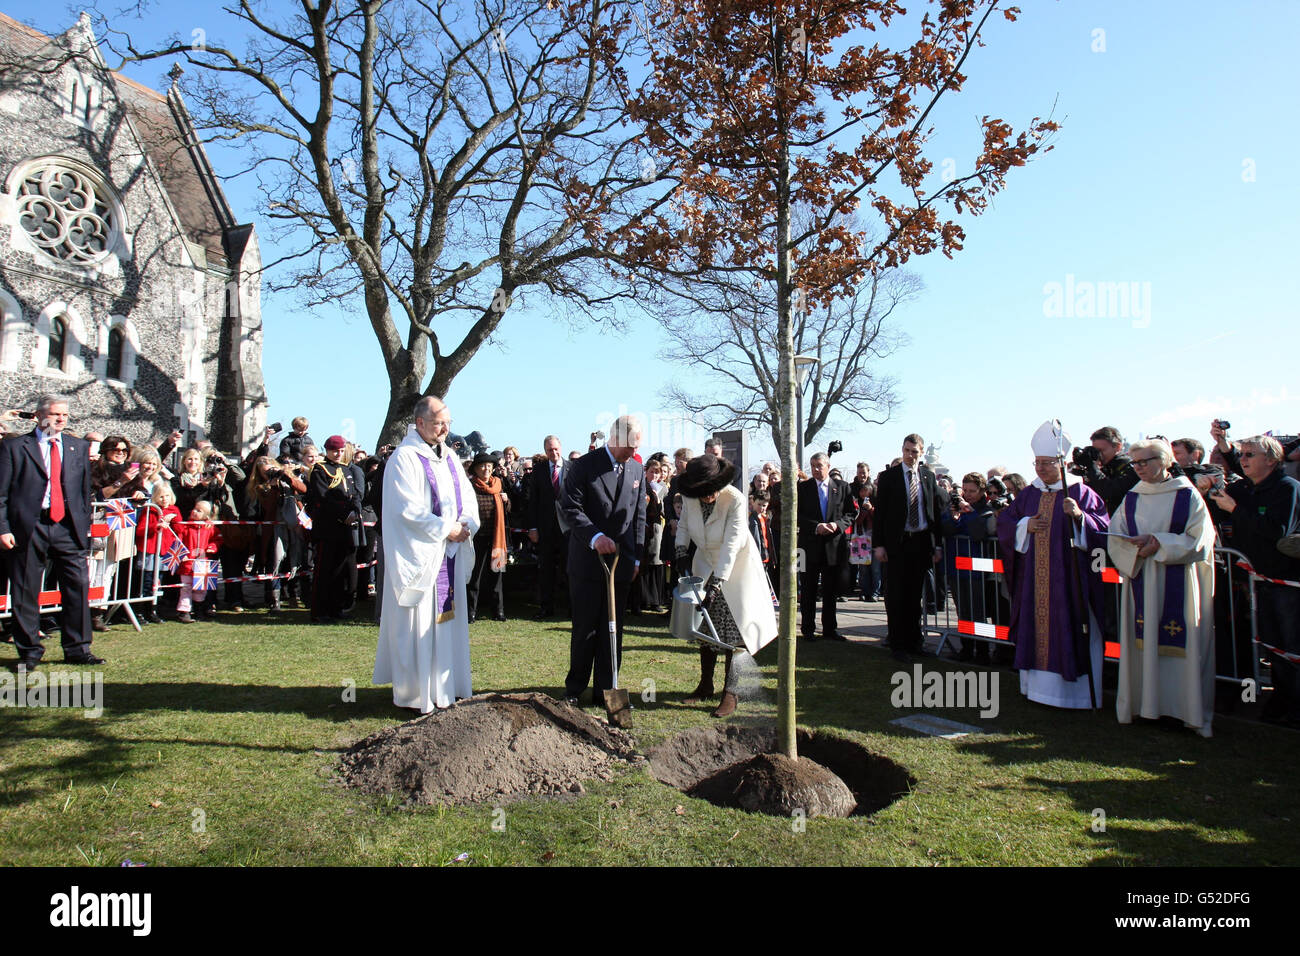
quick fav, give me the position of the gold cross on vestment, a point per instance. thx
(1173, 628)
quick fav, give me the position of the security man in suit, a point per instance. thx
(824, 516)
(907, 533)
(604, 508)
(45, 516)
(545, 488)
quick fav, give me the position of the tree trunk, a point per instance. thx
(786, 713)
(405, 387)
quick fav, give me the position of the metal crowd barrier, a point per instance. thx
(966, 599)
(121, 572)
(116, 580)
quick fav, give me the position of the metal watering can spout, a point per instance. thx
(687, 616)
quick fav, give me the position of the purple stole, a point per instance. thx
(1173, 625)
(444, 595)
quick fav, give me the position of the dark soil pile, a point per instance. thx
(489, 747)
(733, 766)
(775, 784)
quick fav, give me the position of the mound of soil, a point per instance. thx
(718, 764)
(489, 747)
(775, 784)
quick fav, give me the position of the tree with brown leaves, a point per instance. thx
(761, 106)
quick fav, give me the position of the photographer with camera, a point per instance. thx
(1230, 454)
(1257, 514)
(1105, 468)
(271, 486)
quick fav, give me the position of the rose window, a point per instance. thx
(66, 213)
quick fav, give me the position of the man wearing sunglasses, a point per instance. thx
(1256, 514)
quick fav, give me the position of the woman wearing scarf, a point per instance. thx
(490, 542)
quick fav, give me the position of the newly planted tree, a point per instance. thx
(763, 106)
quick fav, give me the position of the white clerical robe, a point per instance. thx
(426, 660)
(1158, 680)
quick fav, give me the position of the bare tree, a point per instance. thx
(727, 331)
(432, 158)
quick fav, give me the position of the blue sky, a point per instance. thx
(1173, 175)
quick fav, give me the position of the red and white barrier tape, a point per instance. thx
(1285, 655)
(1263, 577)
(250, 578)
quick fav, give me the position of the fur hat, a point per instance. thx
(705, 475)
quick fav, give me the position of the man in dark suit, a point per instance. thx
(824, 515)
(45, 515)
(906, 535)
(545, 488)
(604, 507)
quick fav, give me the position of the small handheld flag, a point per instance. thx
(119, 514)
(205, 575)
(174, 554)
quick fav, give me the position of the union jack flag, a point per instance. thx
(119, 514)
(205, 575)
(174, 554)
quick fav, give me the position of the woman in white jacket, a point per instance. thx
(737, 595)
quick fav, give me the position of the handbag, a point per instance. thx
(860, 547)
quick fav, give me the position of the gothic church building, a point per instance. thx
(125, 282)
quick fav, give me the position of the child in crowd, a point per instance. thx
(148, 532)
(203, 539)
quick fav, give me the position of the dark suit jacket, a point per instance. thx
(891, 508)
(542, 499)
(23, 481)
(591, 505)
(831, 549)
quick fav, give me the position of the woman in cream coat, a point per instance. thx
(737, 595)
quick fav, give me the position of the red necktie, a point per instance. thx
(56, 484)
(555, 477)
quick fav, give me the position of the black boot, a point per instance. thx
(708, 661)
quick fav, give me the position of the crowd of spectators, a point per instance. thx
(302, 520)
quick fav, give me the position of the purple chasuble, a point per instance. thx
(1046, 606)
(444, 596)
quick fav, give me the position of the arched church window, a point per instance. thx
(115, 340)
(58, 342)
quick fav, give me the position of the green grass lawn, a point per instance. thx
(219, 743)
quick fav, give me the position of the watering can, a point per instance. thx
(688, 616)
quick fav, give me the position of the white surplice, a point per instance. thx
(1157, 681)
(426, 661)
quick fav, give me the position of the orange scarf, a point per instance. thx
(493, 487)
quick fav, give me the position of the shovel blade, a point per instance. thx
(618, 707)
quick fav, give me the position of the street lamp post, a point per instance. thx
(802, 365)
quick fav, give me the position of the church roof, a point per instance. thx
(168, 137)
